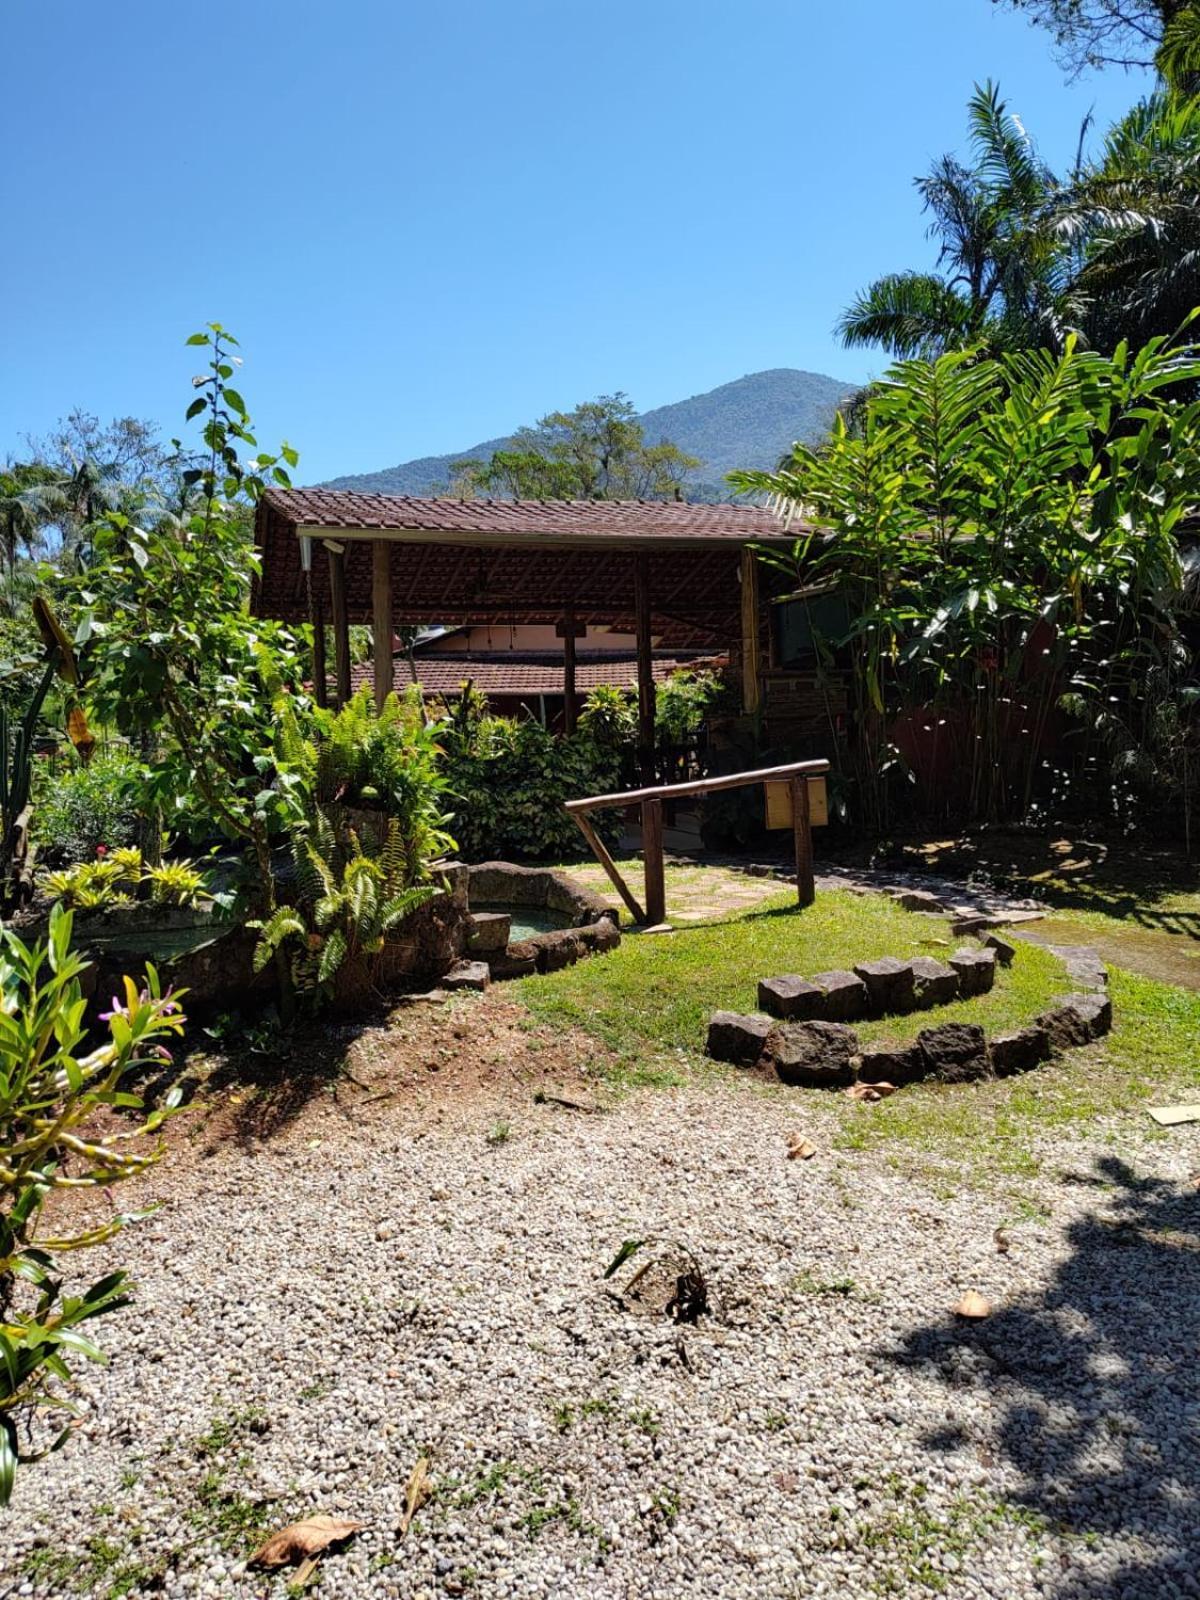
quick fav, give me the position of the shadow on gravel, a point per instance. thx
(1095, 1386)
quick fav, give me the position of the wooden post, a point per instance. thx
(382, 630)
(600, 851)
(645, 666)
(802, 828)
(317, 616)
(341, 623)
(652, 861)
(751, 696)
(569, 671)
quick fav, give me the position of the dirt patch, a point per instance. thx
(1164, 956)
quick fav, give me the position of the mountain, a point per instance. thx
(747, 423)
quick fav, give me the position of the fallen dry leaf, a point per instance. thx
(801, 1150)
(866, 1092)
(299, 1540)
(973, 1306)
(416, 1494)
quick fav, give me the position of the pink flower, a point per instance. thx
(101, 849)
(118, 1010)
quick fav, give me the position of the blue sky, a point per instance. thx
(429, 223)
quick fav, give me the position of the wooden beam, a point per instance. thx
(645, 666)
(652, 862)
(569, 671)
(802, 828)
(317, 618)
(751, 693)
(382, 629)
(341, 623)
(698, 786)
(610, 866)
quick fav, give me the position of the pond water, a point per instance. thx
(528, 920)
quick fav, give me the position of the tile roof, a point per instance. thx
(552, 520)
(505, 672)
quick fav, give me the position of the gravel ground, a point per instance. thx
(382, 1279)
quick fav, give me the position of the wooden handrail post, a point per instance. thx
(802, 828)
(652, 861)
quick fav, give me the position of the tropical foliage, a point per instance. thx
(1006, 535)
(1024, 256)
(51, 1087)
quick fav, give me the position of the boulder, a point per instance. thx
(845, 996)
(890, 984)
(892, 1063)
(468, 975)
(818, 1055)
(1077, 1019)
(1019, 1050)
(936, 983)
(976, 971)
(955, 1052)
(488, 931)
(791, 997)
(1004, 948)
(736, 1038)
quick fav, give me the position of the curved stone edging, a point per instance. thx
(819, 1053)
(880, 988)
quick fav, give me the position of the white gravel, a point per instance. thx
(381, 1283)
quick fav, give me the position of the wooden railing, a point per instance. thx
(797, 774)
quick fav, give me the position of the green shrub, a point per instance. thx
(49, 1092)
(509, 782)
(77, 808)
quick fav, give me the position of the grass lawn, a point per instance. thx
(649, 1001)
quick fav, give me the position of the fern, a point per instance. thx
(285, 923)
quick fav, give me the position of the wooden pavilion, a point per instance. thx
(335, 558)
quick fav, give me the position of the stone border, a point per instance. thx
(592, 926)
(883, 987)
(820, 1053)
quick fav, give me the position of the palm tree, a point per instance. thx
(32, 498)
(1134, 218)
(1003, 276)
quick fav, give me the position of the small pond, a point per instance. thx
(528, 920)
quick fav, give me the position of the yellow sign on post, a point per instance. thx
(779, 803)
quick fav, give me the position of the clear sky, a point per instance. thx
(430, 222)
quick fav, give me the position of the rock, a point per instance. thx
(918, 900)
(845, 996)
(791, 997)
(1077, 1019)
(936, 983)
(976, 971)
(488, 931)
(736, 1038)
(891, 984)
(975, 923)
(468, 975)
(560, 948)
(895, 1063)
(516, 960)
(817, 1055)
(1004, 948)
(955, 1052)
(601, 935)
(1019, 1050)
(1083, 964)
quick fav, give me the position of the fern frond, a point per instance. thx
(285, 923)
